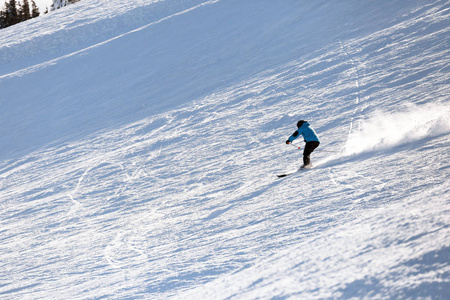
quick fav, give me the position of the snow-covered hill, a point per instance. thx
(140, 143)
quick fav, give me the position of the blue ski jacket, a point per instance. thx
(306, 131)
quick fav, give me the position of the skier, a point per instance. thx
(311, 139)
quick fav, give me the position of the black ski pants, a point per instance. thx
(309, 148)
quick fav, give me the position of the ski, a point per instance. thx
(287, 174)
(298, 170)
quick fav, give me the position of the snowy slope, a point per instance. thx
(139, 151)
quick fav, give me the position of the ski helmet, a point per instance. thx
(300, 123)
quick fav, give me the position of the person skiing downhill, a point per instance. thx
(311, 139)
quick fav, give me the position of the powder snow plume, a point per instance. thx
(385, 130)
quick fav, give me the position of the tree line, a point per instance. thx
(15, 12)
(57, 4)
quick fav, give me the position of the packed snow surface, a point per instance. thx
(140, 142)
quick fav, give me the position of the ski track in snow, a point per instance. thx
(357, 86)
(185, 203)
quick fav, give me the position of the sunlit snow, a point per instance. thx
(140, 142)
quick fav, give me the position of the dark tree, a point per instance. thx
(12, 16)
(23, 11)
(34, 10)
(26, 10)
(2, 19)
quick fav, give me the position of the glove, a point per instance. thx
(288, 142)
